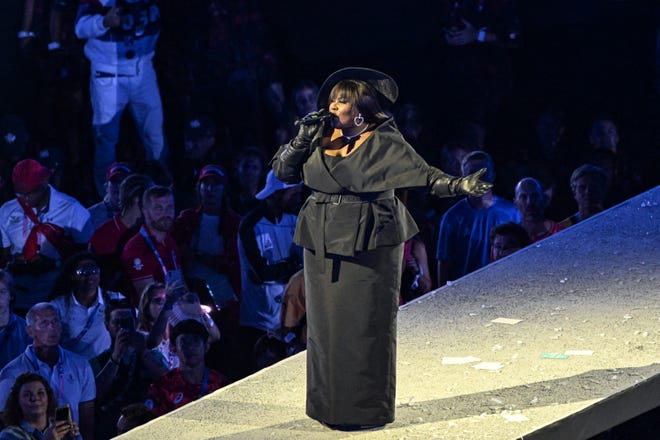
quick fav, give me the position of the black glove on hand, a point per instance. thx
(471, 185)
(447, 186)
(314, 123)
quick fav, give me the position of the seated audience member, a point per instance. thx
(125, 370)
(39, 228)
(132, 416)
(207, 237)
(415, 277)
(30, 409)
(81, 302)
(109, 238)
(47, 358)
(589, 187)
(109, 206)
(13, 337)
(463, 239)
(152, 254)
(193, 379)
(531, 201)
(507, 238)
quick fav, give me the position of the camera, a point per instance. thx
(63, 414)
(127, 323)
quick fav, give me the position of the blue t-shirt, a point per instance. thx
(463, 238)
(13, 340)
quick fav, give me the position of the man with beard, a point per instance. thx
(152, 254)
(531, 201)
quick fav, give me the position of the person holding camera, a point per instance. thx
(29, 412)
(125, 370)
(121, 40)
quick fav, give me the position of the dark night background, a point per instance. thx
(588, 56)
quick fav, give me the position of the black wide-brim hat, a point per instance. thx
(385, 87)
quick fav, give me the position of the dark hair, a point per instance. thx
(485, 157)
(12, 413)
(155, 192)
(361, 95)
(188, 326)
(144, 316)
(590, 170)
(136, 414)
(133, 186)
(117, 304)
(64, 284)
(511, 229)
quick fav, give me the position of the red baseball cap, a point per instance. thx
(116, 169)
(28, 174)
(213, 170)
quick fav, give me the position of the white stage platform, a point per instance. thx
(583, 357)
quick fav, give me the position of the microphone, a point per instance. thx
(314, 117)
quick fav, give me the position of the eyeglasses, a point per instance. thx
(87, 271)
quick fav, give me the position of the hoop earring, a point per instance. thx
(358, 120)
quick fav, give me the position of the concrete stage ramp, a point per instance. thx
(583, 357)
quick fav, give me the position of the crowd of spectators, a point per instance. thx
(165, 272)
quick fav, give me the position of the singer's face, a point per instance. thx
(344, 112)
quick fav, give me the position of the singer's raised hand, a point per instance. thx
(306, 133)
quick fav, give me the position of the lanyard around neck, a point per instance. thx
(152, 245)
(34, 360)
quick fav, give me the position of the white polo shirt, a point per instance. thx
(71, 378)
(75, 317)
(62, 210)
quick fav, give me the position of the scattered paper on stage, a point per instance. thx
(514, 417)
(459, 360)
(509, 321)
(492, 366)
(579, 352)
(554, 356)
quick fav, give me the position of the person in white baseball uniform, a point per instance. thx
(121, 39)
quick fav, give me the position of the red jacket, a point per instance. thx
(186, 227)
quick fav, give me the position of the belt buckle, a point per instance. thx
(338, 202)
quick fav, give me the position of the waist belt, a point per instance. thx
(98, 74)
(338, 199)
